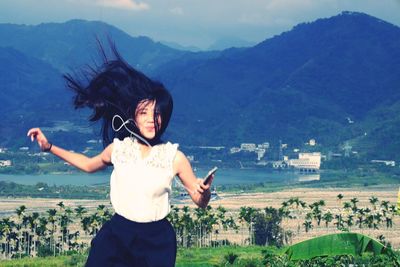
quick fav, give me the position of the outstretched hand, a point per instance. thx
(36, 133)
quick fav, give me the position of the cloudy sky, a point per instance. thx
(197, 23)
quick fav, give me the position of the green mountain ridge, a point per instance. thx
(309, 82)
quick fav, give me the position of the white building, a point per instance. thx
(248, 147)
(234, 150)
(260, 153)
(391, 163)
(310, 161)
(263, 145)
(5, 163)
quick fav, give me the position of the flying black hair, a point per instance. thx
(116, 88)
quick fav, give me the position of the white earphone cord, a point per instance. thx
(124, 123)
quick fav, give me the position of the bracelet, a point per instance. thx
(49, 148)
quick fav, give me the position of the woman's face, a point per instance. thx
(145, 118)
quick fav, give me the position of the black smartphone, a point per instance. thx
(209, 174)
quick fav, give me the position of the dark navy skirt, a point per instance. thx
(121, 242)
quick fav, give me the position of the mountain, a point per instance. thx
(73, 44)
(32, 94)
(309, 82)
(298, 85)
(229, 42)
(181, 47)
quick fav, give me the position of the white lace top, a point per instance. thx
(140, 188)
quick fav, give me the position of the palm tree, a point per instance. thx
(2, 234)
(85, 222)
(33, 222)
(327, 217)
(65, 220)
(307, 225)
(41, 232)
(298, 203)
(339, 221)
(80, 211)
(349, 221)
(61, 205)
(378, 220)
(317, 214)
(20, 214)
(373, 200)
(221, 211)
(51, 218)
(20, 211)
(104, 214)
(354, 201)
(247, 214)
(347, 206)
(8, 229)
(360, 217)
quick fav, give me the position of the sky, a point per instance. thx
(198, 23)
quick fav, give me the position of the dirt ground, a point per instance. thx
(233, 202)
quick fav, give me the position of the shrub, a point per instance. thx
(231, 257)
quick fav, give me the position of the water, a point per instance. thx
(222, 177)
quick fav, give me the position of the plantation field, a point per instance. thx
(233, 203)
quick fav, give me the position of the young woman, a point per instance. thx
(135, 112)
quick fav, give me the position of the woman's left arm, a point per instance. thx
(198, 191)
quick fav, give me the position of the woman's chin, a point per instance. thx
(149, 136)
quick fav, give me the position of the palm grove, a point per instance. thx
(65, 230)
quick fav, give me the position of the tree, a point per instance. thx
(246, 214)
(80, 211)
(307, 225)
(354, 201)
(327, 217)
(267, 229)
(373, 200)
(51, 217)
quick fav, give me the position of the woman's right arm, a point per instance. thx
(80, 161)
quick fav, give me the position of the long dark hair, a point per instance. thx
(116, 88)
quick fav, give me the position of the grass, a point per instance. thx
(185, 257)
(59, 261)
(215, 256)
(208, 257)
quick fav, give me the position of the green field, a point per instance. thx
(221, 256)
(185, 257)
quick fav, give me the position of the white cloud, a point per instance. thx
(176, 10)
(123, 4)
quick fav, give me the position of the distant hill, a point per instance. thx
(181, 47)
(302, 84)
(229, 42)
(73, 43)
(313, 81)
(32, 94)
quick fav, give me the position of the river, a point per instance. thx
(222, 177)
